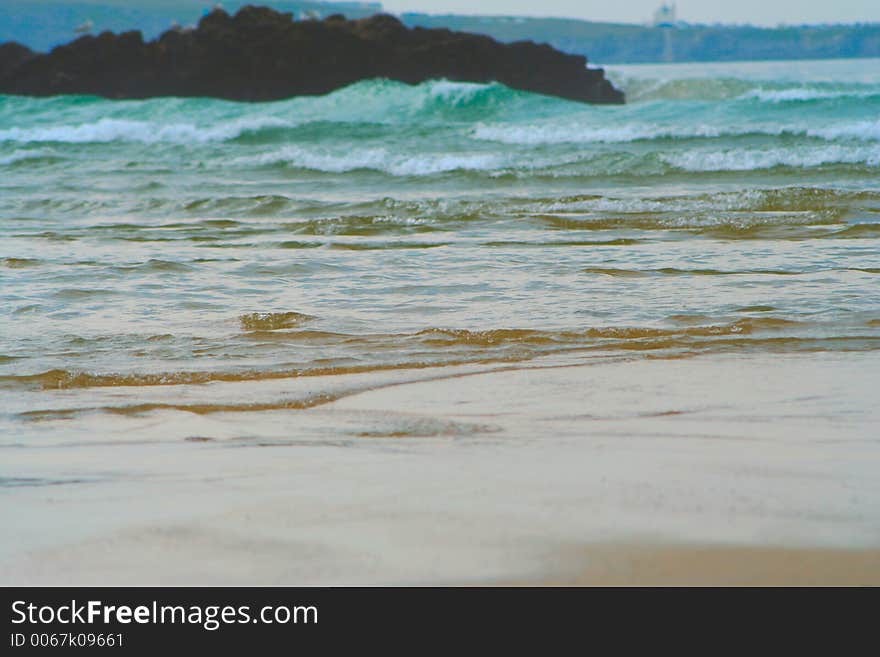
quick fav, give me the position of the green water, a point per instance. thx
(169, 242)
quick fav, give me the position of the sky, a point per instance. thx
(757, 12)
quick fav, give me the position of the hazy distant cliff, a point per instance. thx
(43, 24)
(261, 54)
(627, 43)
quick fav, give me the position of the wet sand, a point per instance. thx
(714, 565)
(709, 470)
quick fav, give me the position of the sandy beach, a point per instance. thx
(724, 469)
(450, 332)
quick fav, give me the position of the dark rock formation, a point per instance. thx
(12, 55)
(261, 54)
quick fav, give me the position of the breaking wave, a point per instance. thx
(586, 132)
(741, 159)
(378, 159)
(371, 102)
(147, 132)
(806, 94)
(641, 89)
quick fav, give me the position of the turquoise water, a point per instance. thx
(725, 208)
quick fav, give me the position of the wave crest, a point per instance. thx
(147, 132)
(373, 101)
(742, 159)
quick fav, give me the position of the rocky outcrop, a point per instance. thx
(13, 55)
(260, 54)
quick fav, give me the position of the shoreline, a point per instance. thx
(709, 470)
(632, 564)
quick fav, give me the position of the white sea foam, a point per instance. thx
(549, 133)
(377, 159)
(740, 159)
(861, 130)
(535, 134)
(456, 93)
(148, 132)
(408, 164)
(803, 94)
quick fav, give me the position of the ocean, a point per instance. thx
(195, 274)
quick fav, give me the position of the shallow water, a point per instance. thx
(172, 243)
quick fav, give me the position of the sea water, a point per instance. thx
(152, 249)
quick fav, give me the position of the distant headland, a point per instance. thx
(43, 24)
(261, 54)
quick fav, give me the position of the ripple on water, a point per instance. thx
(273, 321)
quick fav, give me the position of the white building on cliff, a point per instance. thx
(665, 15)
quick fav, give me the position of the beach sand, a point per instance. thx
(714, 565)
(723, 469)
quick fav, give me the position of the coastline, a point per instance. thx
(719, 469)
